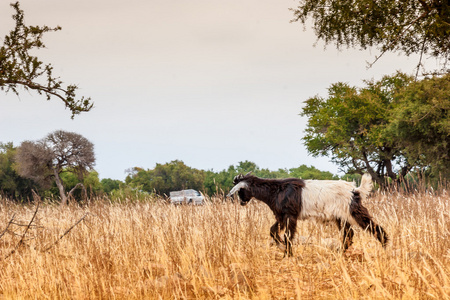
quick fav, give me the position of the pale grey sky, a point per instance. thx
(211, 82)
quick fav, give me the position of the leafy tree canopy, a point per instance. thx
(18, 68)
(408, 26)
(371, 129)
(420, 123)
(109, 185)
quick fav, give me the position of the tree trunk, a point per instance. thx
(379, 180)
(62, 192)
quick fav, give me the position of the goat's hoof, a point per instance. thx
(281, 247)
(288, 254)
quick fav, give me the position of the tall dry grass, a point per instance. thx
(150, 250)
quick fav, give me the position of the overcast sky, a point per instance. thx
(210, 83)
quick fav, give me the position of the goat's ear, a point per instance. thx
(237, 178)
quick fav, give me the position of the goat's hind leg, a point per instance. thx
(361, 215)
(376, 230)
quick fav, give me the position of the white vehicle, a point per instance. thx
(186, 197)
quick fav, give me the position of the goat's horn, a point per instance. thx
(248, 173)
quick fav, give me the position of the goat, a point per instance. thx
(291, 199)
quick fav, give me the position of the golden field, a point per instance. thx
(153, 250)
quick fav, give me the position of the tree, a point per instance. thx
(45, 160)
(386, 128)
(350, 126)
(311, 172)
(244, 167)
(408, 26)
(164, 178)
(18, 68)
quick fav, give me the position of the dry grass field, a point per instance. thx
(152, 250)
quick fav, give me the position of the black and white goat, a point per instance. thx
(326, 200)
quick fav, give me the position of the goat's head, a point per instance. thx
(241, 186)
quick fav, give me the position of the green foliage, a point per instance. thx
(311, 172)
(408, 26)
(91, 184)
(350, 124)
(167, 177)
(127, 194)
(382, 128)
(12, 185)
(221, 182)
(19, 68)
(109, 185)
(421, 124)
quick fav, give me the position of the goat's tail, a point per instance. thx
(366, 185)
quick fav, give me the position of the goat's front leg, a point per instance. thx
(347, 239)
(275, 232)
(348, 233)
(291, 228)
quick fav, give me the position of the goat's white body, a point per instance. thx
(327, 200)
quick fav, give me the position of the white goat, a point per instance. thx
(326, 200)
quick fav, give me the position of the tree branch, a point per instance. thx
(65, 233)
(385, 49)
(70, 194)
(420, 59)
(370, 169)
(79, 105)
(18, 67)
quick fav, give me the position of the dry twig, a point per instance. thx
(65, 233)
(7, 226)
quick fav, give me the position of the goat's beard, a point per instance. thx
(244, 203)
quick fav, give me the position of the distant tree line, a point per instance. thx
(175, 175)
(60, 167)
